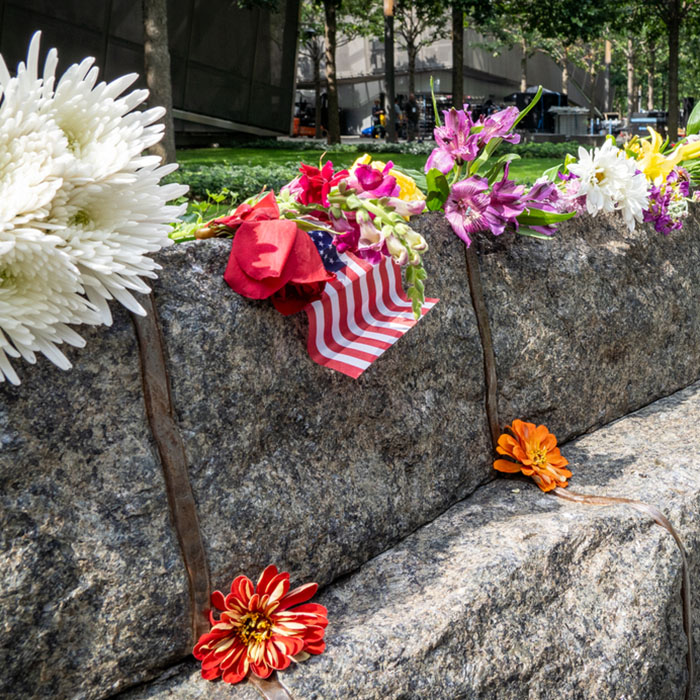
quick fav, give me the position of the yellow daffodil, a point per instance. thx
(409, 191)
(654, 164)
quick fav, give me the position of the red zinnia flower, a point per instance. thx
(257, 631)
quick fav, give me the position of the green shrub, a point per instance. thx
(242, 181)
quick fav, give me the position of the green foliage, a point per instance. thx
(438, 189)
(238, 181)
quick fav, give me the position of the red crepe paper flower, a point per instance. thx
(536, 454)
(271, 257)
(315, 184)
(258, 631)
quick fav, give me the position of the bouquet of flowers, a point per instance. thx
(474, 189)
(287, 246)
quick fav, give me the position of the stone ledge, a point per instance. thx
(517, 594)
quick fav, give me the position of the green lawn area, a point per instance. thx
(526, 170)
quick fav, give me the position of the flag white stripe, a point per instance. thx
(336, 333)
(324, 349)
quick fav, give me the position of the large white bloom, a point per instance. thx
(39, 294)
(609, 181)
(80, 207)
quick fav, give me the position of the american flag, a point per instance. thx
(362, 313)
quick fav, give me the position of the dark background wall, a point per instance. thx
(232, 69)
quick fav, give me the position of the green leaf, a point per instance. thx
(497, 168)
(693, 126)
(534, 101)
(438, 189)
(539, 217)
(435, 109)
(551, 173)
(417, 176)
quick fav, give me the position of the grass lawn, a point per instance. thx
(526, 170)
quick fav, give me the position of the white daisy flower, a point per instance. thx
(609, 181)
(40, 293)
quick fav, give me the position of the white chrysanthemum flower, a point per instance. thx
(80, 207)
(40, 293)
(108, 228)
(609, 181)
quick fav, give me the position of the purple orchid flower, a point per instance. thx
(455, 143)
(466, 207)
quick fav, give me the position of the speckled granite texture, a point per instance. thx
(516, 594)
(303, 466)
(291, 462)
(93, 592)
(592, 324)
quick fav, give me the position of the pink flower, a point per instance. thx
(369, 181)
(466, 207)
(498, 126)
(455, 143)
(506, 203)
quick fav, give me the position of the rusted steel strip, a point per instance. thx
(159, 409)
(660, 519)
(270, 688)
(482, 322)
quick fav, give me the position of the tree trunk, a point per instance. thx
(630, 81)
(457, 56)
(317, 95)
(389, 78)
(329, 8)
(523, 65)
(608, 61)
(651, 67)
(565, 71)
(157, 68)
(672, 23)
(412, 53)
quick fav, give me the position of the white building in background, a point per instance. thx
(360, 65)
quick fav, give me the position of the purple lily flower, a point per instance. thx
(544, 195)
(466, 207)
(455, 143)
(498, 125)
(506, 203)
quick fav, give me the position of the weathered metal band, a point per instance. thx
(482, 321)
(183, 509)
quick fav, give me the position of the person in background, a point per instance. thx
(412, 114)
(378, 119)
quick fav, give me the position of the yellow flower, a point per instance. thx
(409, 191)
(654, 164)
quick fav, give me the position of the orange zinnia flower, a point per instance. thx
(257, 631)
(536, 453)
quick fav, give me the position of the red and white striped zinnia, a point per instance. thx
(258, 630)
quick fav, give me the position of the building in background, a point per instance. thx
(233, 70)
(486, 77)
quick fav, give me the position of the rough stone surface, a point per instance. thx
(303, 466)
(517, 594)
(93, 594)
(592, 324)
